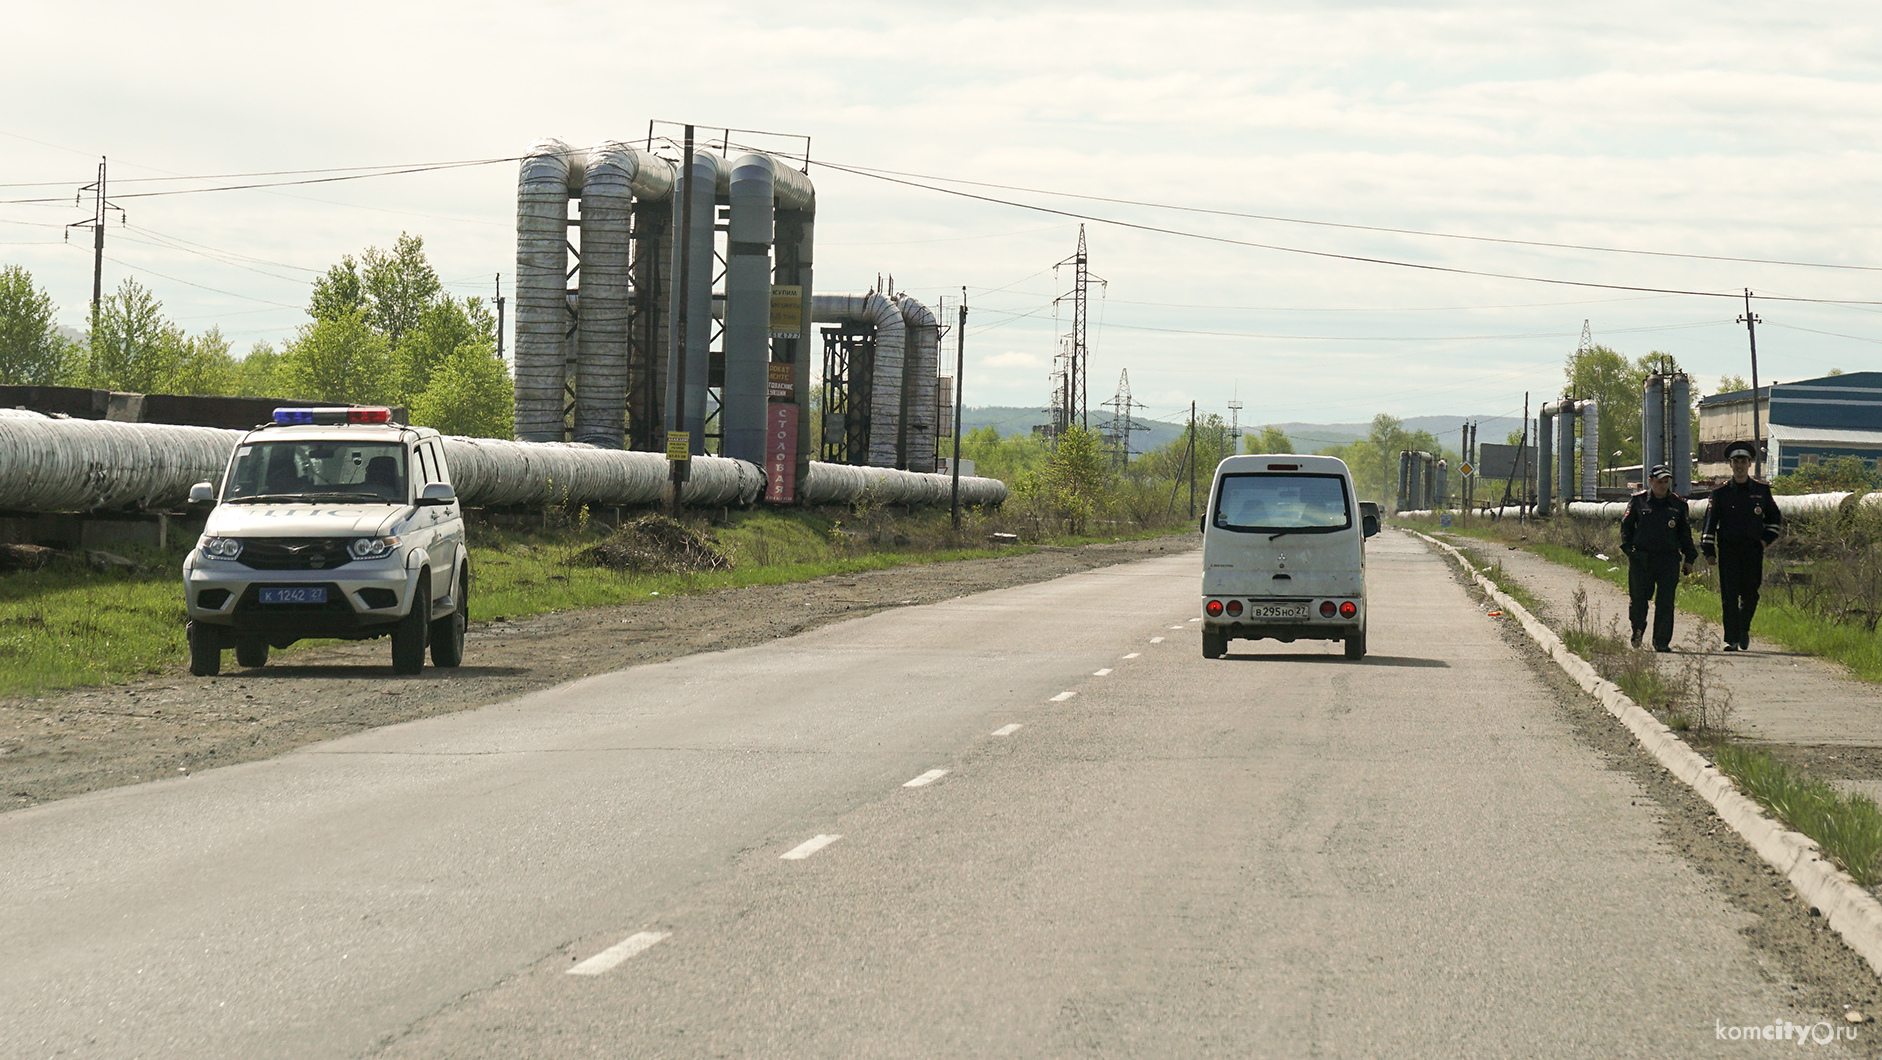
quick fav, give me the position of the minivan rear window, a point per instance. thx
(1303, 503)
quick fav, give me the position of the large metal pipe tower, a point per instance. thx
(542, 311)
(1545, 438)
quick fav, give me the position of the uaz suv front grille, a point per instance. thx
(294, 553)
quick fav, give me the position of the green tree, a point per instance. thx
(204, 366)
(132, 346)
(1269, 439)
(398, 287)
(1615, 385)
(1730, 383)
(443, 328)
(1834, 475)
(338, 292)
(471, 394)
(255, 373)
(1077, 479)
(339, 359)
(1004, 458)
(32, 352)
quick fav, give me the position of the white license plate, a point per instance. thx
(1277, 611)
(312, 595)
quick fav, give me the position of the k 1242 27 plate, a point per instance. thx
(310, 595)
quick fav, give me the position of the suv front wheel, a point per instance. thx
(408, 637)
(205, 649)
(447, 633)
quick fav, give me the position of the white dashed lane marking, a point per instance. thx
(1063, 696)
(1192, 620)
(1176, 627)
(1159, 640)
(1007, 730)
(1101, 673)
(808, 847)
(926, 778)
(618, 952)
(1133, 655)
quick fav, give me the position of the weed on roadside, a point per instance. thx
(1847, 826)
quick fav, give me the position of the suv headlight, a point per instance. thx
(372, 547)
(220, 547)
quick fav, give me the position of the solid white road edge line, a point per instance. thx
(618, 952)
(1851, 910)
(926, 778)
(1007, 730)
(808, 847)
(1063, 696)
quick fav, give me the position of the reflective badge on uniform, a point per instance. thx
(1757, 509)
(1672, 524)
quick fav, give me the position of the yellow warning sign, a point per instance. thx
(679, 445)
(787, 310)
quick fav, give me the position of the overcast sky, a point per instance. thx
(1741, 131)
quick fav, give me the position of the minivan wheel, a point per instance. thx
(205, 649)
(251, 653)
(447, 633)
(1214, 645)
(1356, 645)
(408, 637)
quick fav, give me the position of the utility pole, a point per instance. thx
(679, 436)
(1751, 322)
(499, 316)
(1235, 425)
(1192, 460)
(960, 366)
(100, 206)
(1122, 425)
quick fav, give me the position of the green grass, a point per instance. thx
(1847, 827)
(68, 626)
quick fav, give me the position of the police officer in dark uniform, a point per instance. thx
(1741, 519)
(1656, 535)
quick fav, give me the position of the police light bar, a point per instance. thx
(378, 414)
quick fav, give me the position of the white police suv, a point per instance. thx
(330, 523)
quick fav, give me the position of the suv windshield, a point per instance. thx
(1312, 504)
(371, 472)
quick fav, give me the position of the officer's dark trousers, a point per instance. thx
(1741, 571)
(1651, 574)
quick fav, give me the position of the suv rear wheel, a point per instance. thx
(205, 649)
(408, 637)
(1214, 645)
(447, 633)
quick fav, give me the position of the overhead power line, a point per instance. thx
(1328, 254)
(870, 171)
(431, 167)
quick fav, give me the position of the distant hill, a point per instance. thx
(1307, 437)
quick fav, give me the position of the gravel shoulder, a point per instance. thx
(56, 746)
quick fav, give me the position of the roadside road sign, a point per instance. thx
(1465, 468)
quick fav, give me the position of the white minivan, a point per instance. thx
(1284, 553)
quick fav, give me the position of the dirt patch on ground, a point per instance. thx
(656, 544)
(57, 746)
(1830, 977)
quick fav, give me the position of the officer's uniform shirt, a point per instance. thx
(1736, 512)
(1657, 524)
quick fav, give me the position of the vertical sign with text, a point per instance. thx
(781, 453)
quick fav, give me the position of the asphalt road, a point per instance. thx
(1131, 852)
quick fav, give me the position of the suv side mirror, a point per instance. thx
(1369, 524)
(202, 493)
(435, 493)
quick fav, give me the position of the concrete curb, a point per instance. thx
(1852, 911)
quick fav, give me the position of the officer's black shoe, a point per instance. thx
(1639, 633)
(1744, 644)
(1662, 647)
(1731, 645)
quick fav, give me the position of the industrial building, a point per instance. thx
(1801, 423)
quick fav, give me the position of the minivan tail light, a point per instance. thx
(1235, 608)
(1327, 608)
(1348, 609)
(1214, 607)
